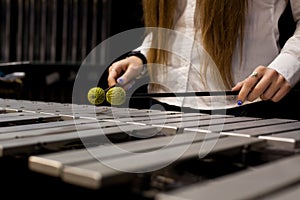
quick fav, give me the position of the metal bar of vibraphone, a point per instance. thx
(173, 119)
(58, 139)
(13, 131)
(134, 113)
(54, 108)
(288, 139)
(52, 164)
(27, 118)
(290, 193)
(162, 118)
(16, 114)
(236, 126)
(240, 128)
(213, 123)
(45, 107)
(265, 130)
(211, 120)
(146, 119)
(248, 184)
(179, 120)
(52, 128)
(122, 114)
(167, 122)
(96, 174)
(280, 133)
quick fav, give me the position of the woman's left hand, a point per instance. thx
(265, 83)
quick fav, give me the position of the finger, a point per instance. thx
(260, 87)
(130, 74)
(258, 82)
(272, 89)
(246, 88)
(267, 86)
(114, 72)
(238, 87)
(111, 79)
(281, 92)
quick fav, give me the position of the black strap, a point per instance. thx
(138, 54)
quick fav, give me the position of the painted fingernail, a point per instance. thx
(239, 102)
(120, 80)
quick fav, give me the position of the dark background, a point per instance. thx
(51, 78)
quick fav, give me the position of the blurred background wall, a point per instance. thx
(49, 39)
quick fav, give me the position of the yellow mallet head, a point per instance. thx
(96, 95)
(116, 96)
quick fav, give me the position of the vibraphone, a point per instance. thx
(147, 154)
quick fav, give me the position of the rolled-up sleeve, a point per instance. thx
(287, 62)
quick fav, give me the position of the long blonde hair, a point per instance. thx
(221, 23)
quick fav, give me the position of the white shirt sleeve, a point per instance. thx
(143, 48)
(145, 45)
(287, 62)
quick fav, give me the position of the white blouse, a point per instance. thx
(185, 72)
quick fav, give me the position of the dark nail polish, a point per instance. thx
(239, 102)
(120, 80)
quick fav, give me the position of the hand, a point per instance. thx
(265, 83)
(125, 71)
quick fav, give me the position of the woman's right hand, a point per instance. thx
(124, 72)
